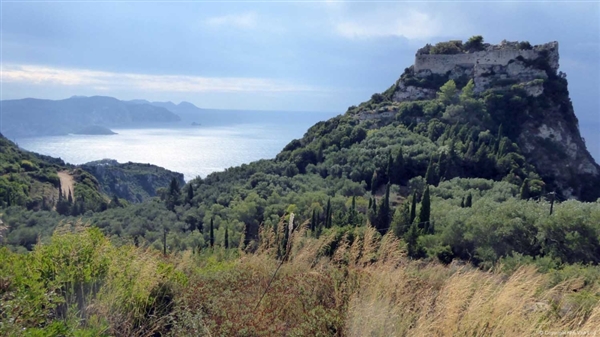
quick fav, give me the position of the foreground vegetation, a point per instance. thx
(350, 282)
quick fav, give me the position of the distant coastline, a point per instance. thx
(95, 130)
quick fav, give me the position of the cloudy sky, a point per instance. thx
(290, 55)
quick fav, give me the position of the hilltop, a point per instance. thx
(31, 181)
(522, 91)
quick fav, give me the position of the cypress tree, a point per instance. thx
(190, 194)
(470, 150)
(398, 173)
(75, 209)
(370, 203)
(165, 241)
(319, 226)
(383, 215)
(328, 214)
(462, 203)
(226, 238)
(212, 233)
(374, 206)
(469, 201)
(499, 139)
(411, 238)
(70, 198)
(413, 207)
(172, 199)
(372, 213)
(329, 217)
(174, 188)
(401, 220)
(313, 221)
(425, 211)
(430, 174)
(524, 194)
(115, 202)
(352, 217)
(440, 169)
(387, 194)
(374, 182)
(390, 168)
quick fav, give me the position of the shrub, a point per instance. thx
(475, 43)
(524, 45)
(28, 166)
(450, 47)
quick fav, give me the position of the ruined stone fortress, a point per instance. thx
(490, 67)
(493, 55)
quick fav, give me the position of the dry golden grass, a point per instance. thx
(434, 300)
(387, 294)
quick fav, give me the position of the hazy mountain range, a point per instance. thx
(40, 117)
(31, 117)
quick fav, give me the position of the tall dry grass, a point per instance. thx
(383, 293)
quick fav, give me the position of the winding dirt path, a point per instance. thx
(67, 183)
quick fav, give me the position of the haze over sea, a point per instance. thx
(191, 150)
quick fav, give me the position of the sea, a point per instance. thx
(194, 150)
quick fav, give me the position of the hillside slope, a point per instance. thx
(484, 138)
(131, 181)
(31, 180)
(505, 103)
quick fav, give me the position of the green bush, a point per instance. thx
(450, 47)
(474, 44)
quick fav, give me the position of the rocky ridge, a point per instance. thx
(548, 130)
(133, 182)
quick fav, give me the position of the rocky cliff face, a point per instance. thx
(546, 128)
(131, 181)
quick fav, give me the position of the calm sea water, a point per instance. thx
(193, 151)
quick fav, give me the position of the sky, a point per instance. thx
(287, 55)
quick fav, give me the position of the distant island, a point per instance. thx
(196, 124)
(95, 130)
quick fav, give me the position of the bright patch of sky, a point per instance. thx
(273, 56)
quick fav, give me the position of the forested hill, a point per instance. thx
(133, 182)
(475, 161)
(510, 120)
(31, 180)
(415, 158)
